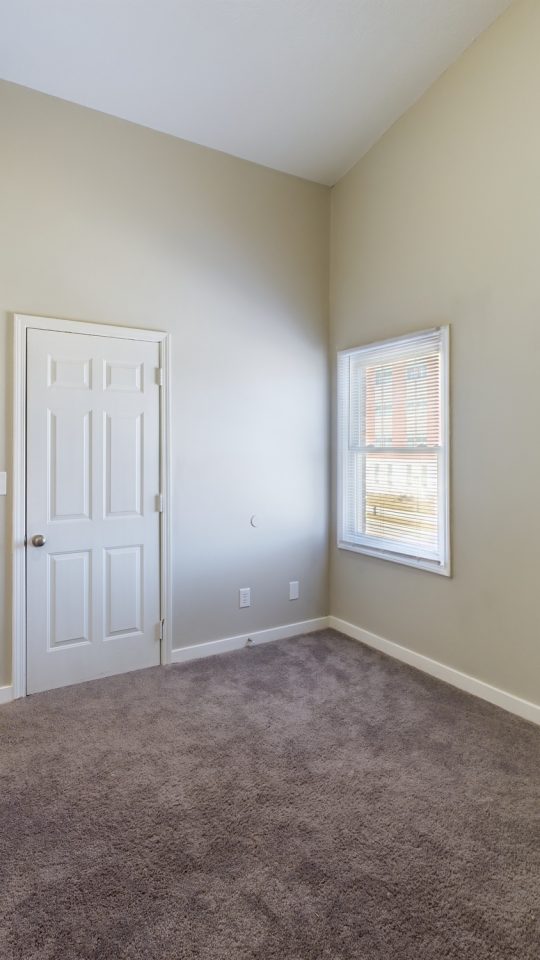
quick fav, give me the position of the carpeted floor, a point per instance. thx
(299, 800)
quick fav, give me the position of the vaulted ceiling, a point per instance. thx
(304, 86)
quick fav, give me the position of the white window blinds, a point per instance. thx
(393, 450)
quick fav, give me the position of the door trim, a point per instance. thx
(22, 323)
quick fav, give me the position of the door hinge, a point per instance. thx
(159, 503)
(161, 629)
(159, 376)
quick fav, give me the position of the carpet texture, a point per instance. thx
(303, 800)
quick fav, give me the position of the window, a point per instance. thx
(393, 450)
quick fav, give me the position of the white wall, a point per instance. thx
(440, 223)
(103, 220)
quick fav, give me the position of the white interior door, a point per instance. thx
(93, 471)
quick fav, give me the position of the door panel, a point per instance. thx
(123, 465)
(69, 598)
(92, 490)
(123, 590)
(126, 377)
(73, 374)
(69, 464)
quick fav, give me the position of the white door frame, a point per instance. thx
(22, 323)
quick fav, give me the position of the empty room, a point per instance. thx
(269, 473)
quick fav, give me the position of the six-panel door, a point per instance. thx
(93, 476)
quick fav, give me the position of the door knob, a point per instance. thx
(39, 540)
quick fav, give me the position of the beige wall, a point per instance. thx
(107, 221)
(440, 223)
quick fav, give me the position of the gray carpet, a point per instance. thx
(304, 799)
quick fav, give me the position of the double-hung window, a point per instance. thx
(393, 459)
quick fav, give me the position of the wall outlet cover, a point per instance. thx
(244, 597)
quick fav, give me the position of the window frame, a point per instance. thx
(389, 550)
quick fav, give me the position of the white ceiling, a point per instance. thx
(305, 86)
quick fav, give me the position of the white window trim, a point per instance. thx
(421, 563)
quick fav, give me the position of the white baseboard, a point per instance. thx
(6, 694)
(463, 681)
(508, 701)
(211, 647)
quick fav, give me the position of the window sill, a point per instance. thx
(419, 564)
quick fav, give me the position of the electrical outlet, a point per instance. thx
(294, 589)
(244, 597)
